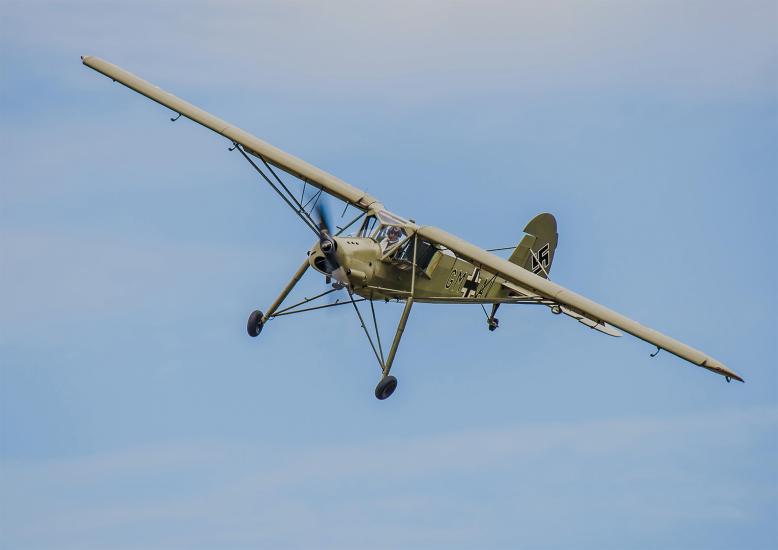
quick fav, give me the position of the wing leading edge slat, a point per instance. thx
(257, 147)
(565, 297)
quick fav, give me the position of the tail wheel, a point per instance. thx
(255, 323)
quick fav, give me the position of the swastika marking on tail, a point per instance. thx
(542, 259)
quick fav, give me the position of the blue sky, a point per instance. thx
(136, 413)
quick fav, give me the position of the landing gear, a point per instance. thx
(255, 323)
(386, 387)
(491, 321)
(388, 383)
(257, 318)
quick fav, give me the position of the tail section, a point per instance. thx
(536, 250)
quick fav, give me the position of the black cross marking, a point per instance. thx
(541, 260)
(471, 284)
(488, 284)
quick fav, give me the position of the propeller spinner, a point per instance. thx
(327, 243)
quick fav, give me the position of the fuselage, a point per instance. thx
(439, 275)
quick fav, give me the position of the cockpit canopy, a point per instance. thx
(378, 226)
(388, 230)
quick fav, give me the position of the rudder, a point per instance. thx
(535, 252)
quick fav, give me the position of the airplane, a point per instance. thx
(389, 258)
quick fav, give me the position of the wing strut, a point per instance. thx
(288, 197)
(251, 144)
(378, 356)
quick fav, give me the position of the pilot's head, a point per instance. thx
(394, 234)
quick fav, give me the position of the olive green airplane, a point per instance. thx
(390, 258)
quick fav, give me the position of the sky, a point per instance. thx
(135, 412)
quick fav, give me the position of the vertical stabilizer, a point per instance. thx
(535, 252)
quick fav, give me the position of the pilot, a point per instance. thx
(392, 237)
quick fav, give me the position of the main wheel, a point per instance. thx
(255, 323)
(386, 387)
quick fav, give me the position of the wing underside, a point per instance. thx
(251, 144)
(585, 310)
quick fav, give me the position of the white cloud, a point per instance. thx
(221, 493)
(418, 49)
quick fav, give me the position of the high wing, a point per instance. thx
(590, 313)
(251, 144)
(570, 300)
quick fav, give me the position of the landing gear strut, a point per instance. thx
(388, 383)
(492, 321)
(257, 318)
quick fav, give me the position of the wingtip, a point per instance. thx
(723, 371)
(729, 375)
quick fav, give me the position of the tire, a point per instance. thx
(255, 323)
(385, 387)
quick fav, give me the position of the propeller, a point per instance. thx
(327, 243)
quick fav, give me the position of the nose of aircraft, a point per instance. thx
(324, 255)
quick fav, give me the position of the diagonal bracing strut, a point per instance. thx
(288, 198)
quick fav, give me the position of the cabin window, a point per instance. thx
(424, 253)
(389, 235)
(367, 227)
